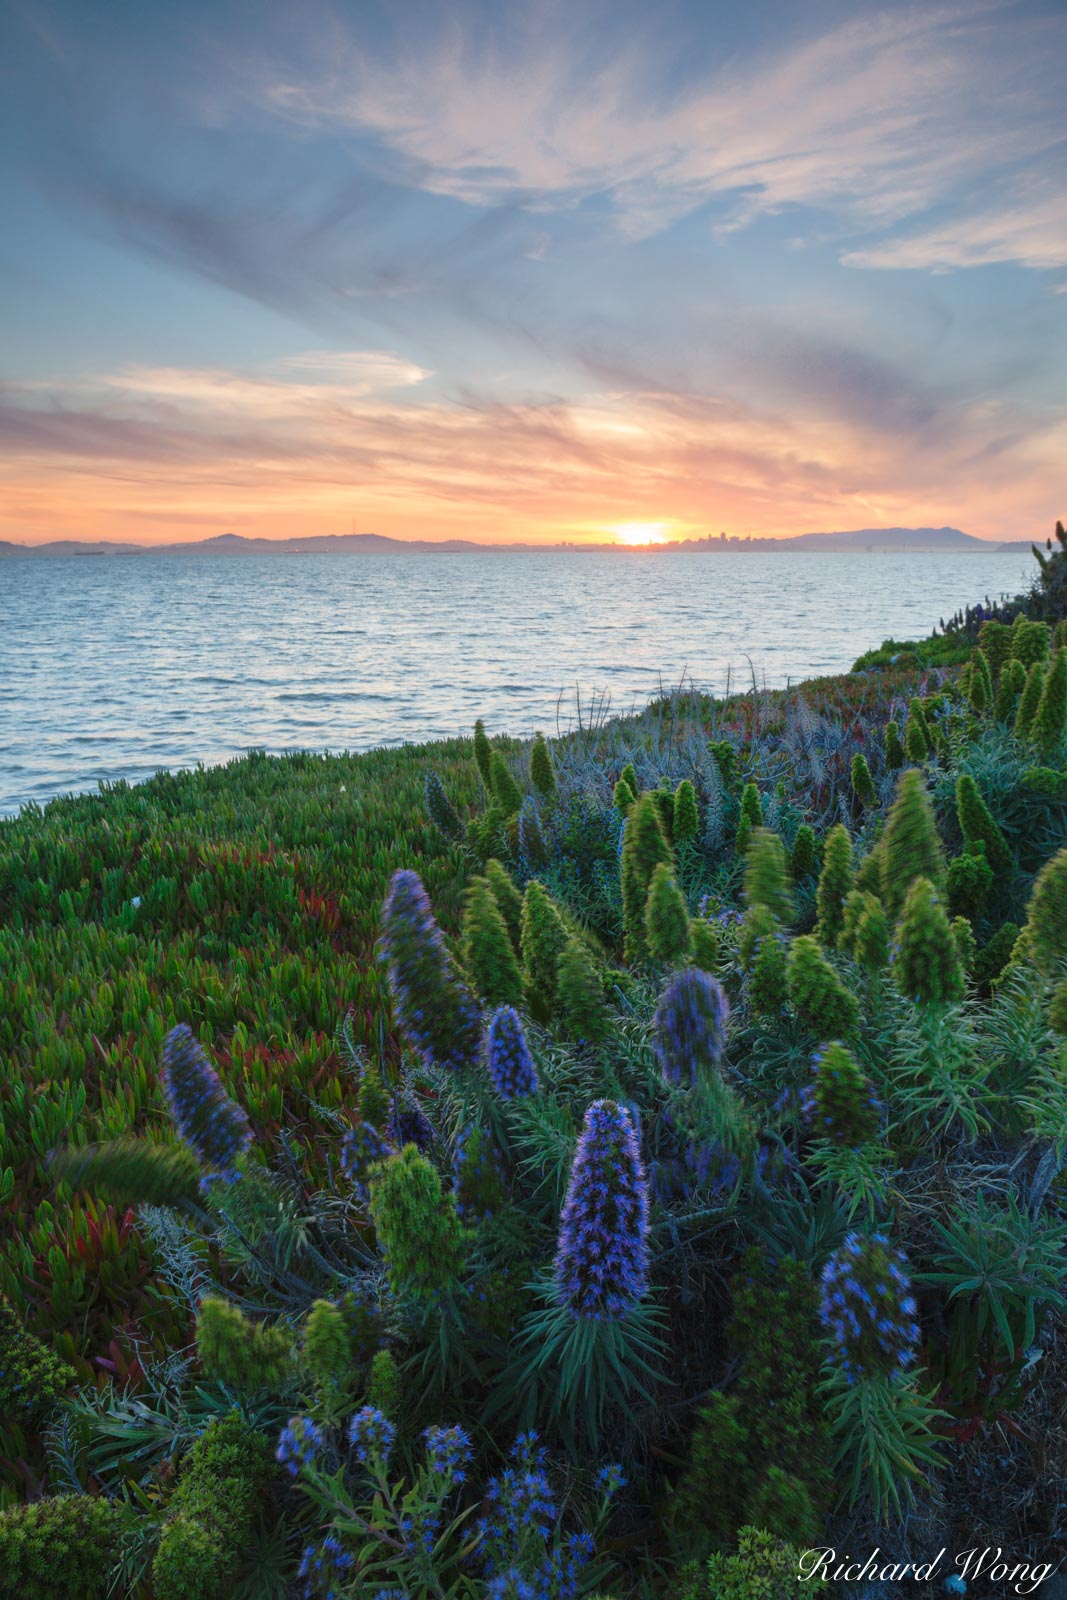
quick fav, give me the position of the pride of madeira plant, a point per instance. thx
(609, 1164)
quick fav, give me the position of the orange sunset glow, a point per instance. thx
(789, 280)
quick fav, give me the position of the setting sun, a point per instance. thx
(641, 532)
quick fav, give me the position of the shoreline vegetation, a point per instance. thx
(610, 1165)
(880, 541)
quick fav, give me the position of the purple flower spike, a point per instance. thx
(433, 1007)
(868, 1308)
(689, 1028)
(602, 1256)
(299, 1444)
(214, 1127)
(507, 1058)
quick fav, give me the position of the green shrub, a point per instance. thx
(725, 757)
(1011, 685)
(542, 772)
(764, 1568)
(751, 817)
(758, 923)
(373, 1101)
(825, 1006)
(1057, 1008)
(383, 1384)
(980, 687)
(1030, 641)
(846, 1109)
(978, 825)
(711, 1494)
(862, 782)
(628, 776)
(768, 987)
(926, 961)
(782, 1506)
(623, 798)
(418, 1230)
(802, 860)
(772, 1420)
(1046, 780)
(966, 946)
(664, 798)
(686, 815)
(917, 745)
(543, 940)
(580, 993)
(64, 1548)
(835, 881)
(326, 1359)
(132, 1172)
(212, 1512)
(1029, 701)
(483, 754)
(994, 639)
(32, 1377)
(994, 956)
(240, 1353)
(704, 938)
(1046, 917)
(506, 791)
(865, 933)
(969, 880)
(1046, 730)
(488, 953)
(911, 845)
(508, 899)
(767, 875)
(644, 849)
(894, 748)
(666, 919)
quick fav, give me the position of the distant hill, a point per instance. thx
(872, 540)
(891, 539)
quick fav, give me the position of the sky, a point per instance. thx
(550, 271)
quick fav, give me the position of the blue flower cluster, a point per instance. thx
(689, 1028)
(214, 1127)
(713, 1166)
(609, 1479)
(371, 1434)
(448, 1451)
(407, 1123)
(507, 1058)
(523, 1554)
(433, 1007)
(361, 1147)
(868, 1308)
(706, 1166)
(299, 1443)
(324, 1568)
(601, 1266)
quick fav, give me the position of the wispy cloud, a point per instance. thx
(1030, 229)
(272, 456)
(879, 119)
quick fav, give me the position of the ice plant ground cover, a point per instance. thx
(603, 1166)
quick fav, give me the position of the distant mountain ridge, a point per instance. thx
(873, 540)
